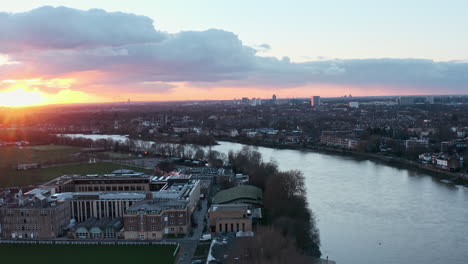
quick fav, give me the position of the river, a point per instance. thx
(368, 212)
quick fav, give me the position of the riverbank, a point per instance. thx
(455, 178)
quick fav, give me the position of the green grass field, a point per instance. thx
(86, 254)
(10, 156)
(11, 177)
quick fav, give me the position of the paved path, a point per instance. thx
(189, 244)
(144, 163)
(325, 261)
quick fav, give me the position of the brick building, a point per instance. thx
(34, 216)
(44, 212)
(229, 218)
(152, 219)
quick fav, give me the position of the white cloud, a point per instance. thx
(129, 51)
(64, 28)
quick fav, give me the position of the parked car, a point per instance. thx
(205, 237)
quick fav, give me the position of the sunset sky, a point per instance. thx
(74, 51)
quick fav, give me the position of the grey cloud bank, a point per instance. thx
(66, 28)
(52, 41)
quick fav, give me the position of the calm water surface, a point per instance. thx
(372, 213)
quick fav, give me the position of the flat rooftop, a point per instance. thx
(100, 196)
(157, 206)
(71, 177)
(175, 191)
(228, 207)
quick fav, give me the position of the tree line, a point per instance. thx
(161, 149)
(285, 203)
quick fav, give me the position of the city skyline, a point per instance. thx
(159, 51)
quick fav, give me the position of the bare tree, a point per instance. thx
(268, 246)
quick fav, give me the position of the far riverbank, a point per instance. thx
(456, 178)
(396, 162)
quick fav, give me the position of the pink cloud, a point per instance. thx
(112, 51)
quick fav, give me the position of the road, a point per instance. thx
(189, 244)
(144, 163)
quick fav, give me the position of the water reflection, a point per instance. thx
(369, 212)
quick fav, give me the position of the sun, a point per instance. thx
(21, 97)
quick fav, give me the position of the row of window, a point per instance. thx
(114, 181)
(19, 220)
(24, 235)
(23, 227)
(24, 213)
(95, 235)
(153, 219)
(171, 222)
(26, 227)
(111, 188)
(226, 227)
(27, 213)
(44, 212)
(154, 228)
(9, 212)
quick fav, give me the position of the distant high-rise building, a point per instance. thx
(354, 104)
(273, 98)
(256, 101)
(245, 100)
(315, 101)
(430, 99)
(406, 100)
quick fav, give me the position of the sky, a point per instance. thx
(99, 51)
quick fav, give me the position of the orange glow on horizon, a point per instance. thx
(21, 97)
(21, 93)
(186, 92)
(84, 87)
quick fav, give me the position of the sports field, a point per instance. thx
(11, 177)
(52, 154)
(86, 254)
